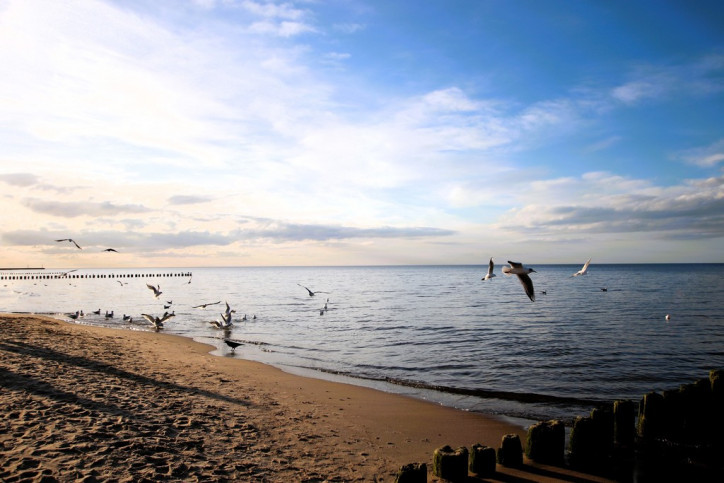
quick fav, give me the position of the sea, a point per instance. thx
(439, 333)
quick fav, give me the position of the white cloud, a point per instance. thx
(281, 29)
(349, 28)
(604, 203)
(272, 9)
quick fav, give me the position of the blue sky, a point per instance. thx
(228, 132)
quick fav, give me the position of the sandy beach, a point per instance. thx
(83, 403)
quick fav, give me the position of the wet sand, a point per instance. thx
(81, 403)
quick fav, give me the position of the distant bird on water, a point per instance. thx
(668, 317)
(490, 273)
(522, 273)
(311, 294)
(156, 290)
(583, 270)
(232, 344)
(71, 241)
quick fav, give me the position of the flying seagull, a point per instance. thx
(110, 250)
(311, 294)
(522, 273)
(156, 321)
(583, 270)
(71, 241)
(222, 324)
(225, 322)
(232, 344)
(203, 306)
(156, 290)
(490, 273)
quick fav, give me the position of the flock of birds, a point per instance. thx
(522, 272)
(70, 240)
(225, 323)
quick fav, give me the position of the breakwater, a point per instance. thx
(672, 436)
(33, 275)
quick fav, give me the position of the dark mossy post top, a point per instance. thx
(450, 464)
(482, 460)
(510, 452)
(546, 442)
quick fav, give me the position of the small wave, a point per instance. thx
(481, 393)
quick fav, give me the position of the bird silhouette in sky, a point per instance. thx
(71, 241)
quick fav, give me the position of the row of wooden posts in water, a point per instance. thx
(677, 432)
(67, 275)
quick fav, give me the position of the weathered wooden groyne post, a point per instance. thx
(482, 460)
(546, 442)
(592, 440)
(412, 473)
(450, 464)
(510, 452)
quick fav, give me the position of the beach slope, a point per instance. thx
(90, 403)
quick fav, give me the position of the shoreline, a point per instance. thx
(83, 401)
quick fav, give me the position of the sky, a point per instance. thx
(186, 133)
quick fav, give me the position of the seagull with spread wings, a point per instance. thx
(311, 294)
(203, 306)
(522, 273)
(156, 321)
(156, 290)
(490, 273)
(71, 241)
(583, 270)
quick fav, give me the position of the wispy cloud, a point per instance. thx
(601, 203)
(188, 199)
(72, 209)
(699, 77)
(19, 179)
(706, 156)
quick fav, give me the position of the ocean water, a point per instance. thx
(436, 332)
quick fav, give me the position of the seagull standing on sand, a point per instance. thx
(522, 273)
(311, 294)
(490, 273)
(583, 270)
(156, 290)
(71, 241)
